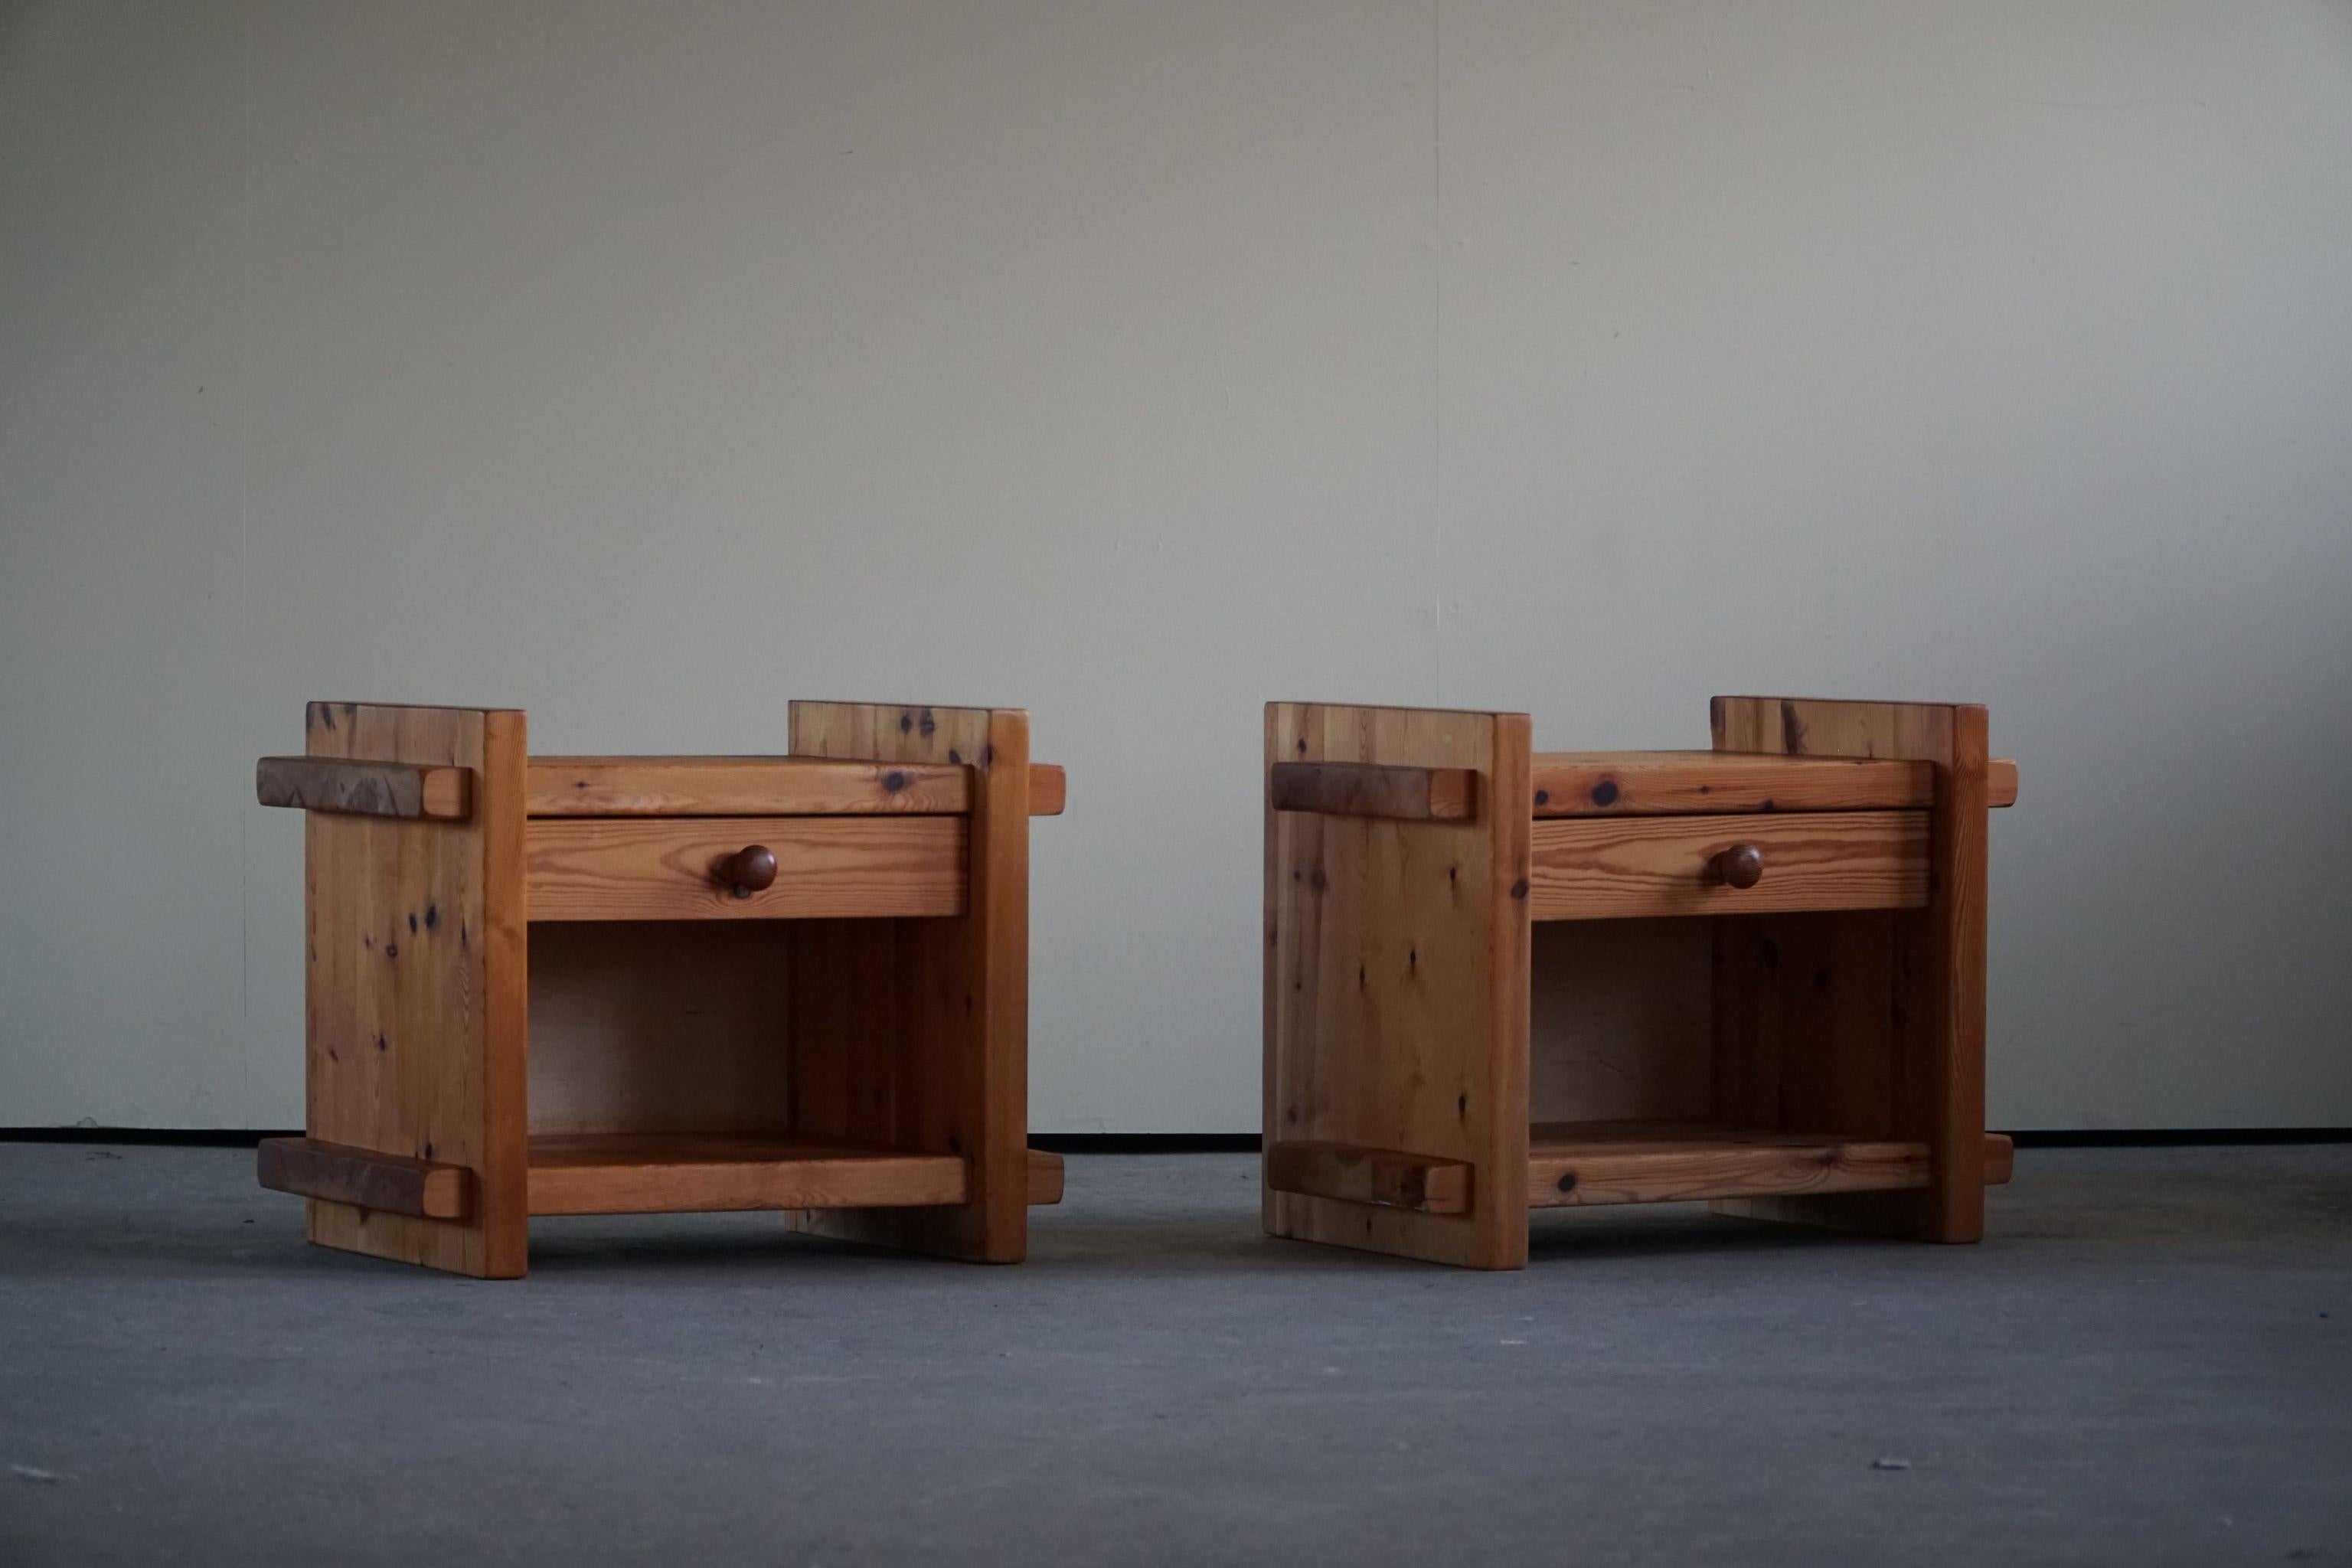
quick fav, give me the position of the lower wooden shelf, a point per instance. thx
(575, 1173)
(1657, 1162)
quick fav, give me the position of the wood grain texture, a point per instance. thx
(1396, 979)
(1385, 1177)
(372, 788)
(363, 1179)
(667, 1027)
(1609, 1163)
(765, 786)
(743, 786)
(1610, 869)
(1810, 1015)
(1676, 784)
(1370, 789)
(1619, 1022)
(1878, 1021)
(625, 868)
(414, 986)
(1638, 1163)
(922, 1027)
(639, 1174)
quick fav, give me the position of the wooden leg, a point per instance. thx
(416, 987)
(1868, 1023)
(1396, 979)
(937, 1051)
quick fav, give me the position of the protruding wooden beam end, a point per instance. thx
(1049, 789)
(1373, 789)
(365, 788)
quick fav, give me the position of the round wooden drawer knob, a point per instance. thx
(750, 869)
(1742, 866)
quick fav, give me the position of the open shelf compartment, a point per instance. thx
(1650, 1082)
(682, 1068)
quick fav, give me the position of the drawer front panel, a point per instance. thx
(661, 868)
(1614, 868)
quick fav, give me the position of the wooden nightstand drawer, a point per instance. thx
(718, 868)
(1611, 867)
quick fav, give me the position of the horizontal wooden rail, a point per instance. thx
(1360, 1175)
(657, 1173)
(742, 786)
(1676, 784)
(1635, 1162)
(1686, 783)
(764, 786)
(388, 1183)
(365, 788)
(654, 1173)
(1044, 1176)
(1374, 789)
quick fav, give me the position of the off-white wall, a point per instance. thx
(644, 365)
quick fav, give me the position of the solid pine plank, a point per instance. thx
(1384, 1176)
(661, 868)
(1825, 994)
(1368, 789)
(1639, 1162)
(364, 788)
(1396, 979)
(602, 1173)
(1955, 934)
(363, 1178)
(416, 990)
(1618, 1163)
(1676, 784)
(857, 994)
(949, 1041)
(1617, 868)
(742, 786)
(1672, 784)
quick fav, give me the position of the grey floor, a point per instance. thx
(2149, 1362)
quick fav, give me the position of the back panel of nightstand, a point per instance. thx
(659, 1027)
(1620, 1021)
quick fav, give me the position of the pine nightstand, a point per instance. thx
(1498, 980)
(559, 986)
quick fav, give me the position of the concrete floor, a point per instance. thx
(2151, 1362)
